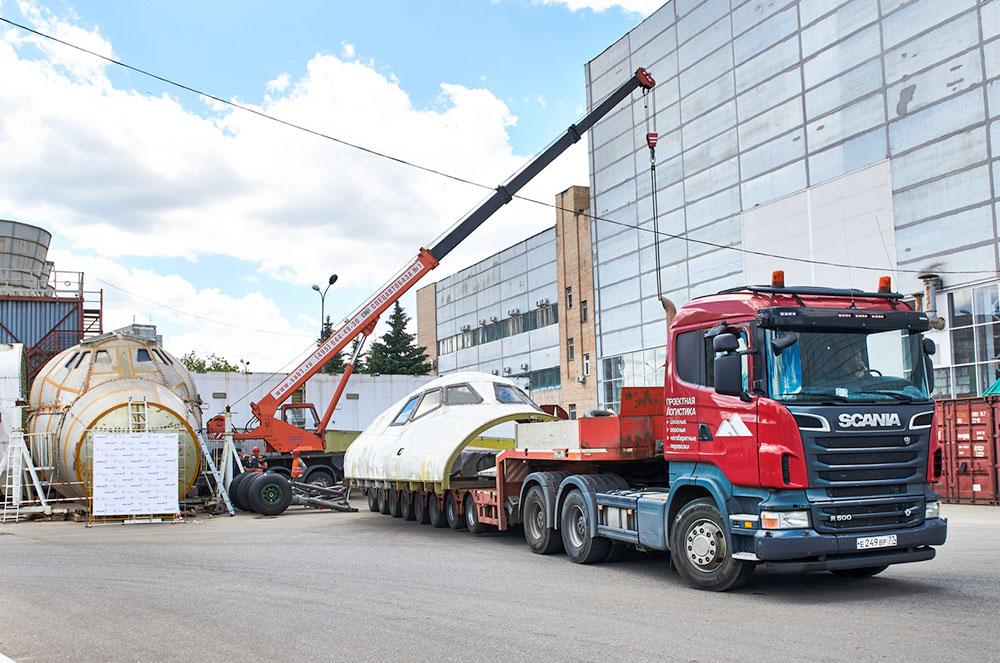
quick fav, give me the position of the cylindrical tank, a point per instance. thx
(13, 388)
(87, 389)
(23, 251)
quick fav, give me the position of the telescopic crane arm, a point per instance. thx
(281, 436)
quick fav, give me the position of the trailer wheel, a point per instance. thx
(383, 501)
(420, 511)
(541, 539)
(455, 519)
(435, 513)
(863, 572)
(234, 491)
(323, 478)
(581, 547)
(394, 506)
(700, 552)
(372, 499)
(472, 516)
(270, 494)
(406, 499)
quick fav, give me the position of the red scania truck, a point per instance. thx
(794, 431)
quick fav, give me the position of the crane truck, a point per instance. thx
(283, 427)
(794, 431)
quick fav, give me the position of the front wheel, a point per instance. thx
(863, 572)
(700, 552)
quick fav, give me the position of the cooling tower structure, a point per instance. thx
(88, 388)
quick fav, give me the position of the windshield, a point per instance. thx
(847, 366)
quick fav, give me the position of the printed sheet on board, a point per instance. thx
(135, 474)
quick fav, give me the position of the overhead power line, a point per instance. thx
(455, 178)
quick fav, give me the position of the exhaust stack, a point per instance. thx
(932, 283)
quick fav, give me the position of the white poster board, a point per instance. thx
(135, 474)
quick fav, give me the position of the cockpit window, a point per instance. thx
(461, 394)
(83, 356)
(508, 394)
(102, 357)
(72, 357)
(142, 355)
(431, 401)
(404, 414)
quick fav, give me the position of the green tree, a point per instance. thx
(338, 362)
(213, 362)
(395, 352)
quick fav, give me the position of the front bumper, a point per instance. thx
(797, 551)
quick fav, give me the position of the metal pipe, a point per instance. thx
(932, 283)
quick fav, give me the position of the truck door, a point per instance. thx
(727, 425)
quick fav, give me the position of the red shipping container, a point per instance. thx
(969, 433)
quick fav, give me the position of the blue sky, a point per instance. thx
(154, 191)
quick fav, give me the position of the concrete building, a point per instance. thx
(526, 312)
(842, 132)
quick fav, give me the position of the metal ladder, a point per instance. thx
(15, 461)
(220, 489)
(137, 421)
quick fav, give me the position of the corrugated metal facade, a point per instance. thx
(45, 326)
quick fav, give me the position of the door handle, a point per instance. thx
(704, 433)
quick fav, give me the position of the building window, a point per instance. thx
(572, 411)
(569, 349)
(569, 297)
(583, 310)
(974, 314)
(586, 364)
(547, 378)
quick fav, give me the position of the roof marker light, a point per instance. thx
(778, 278)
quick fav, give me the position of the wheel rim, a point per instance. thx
(535, 521)
(272, 494)
(705, 545)
(577, 529)
(452, 509)
(321, 480)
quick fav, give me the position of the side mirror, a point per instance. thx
(780, 343)
(929, 372)
(729, 374)
(726, 343)
(929, 347)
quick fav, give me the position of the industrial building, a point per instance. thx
(45, 310)
(841, 132)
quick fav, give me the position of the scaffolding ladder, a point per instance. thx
(212, 474)
(15, 463)
(137, 421)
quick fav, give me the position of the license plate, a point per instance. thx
(869, 542)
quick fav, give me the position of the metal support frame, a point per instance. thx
(17, 462)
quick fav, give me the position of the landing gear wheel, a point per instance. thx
(541, 539)
(383, 501)
(406, 504)
(420, 511)
(243, 490)
(863, 572)
(234, 488)
(700, 552)
(472, 516)
(373, 500)
(270, 494)
(575, 526)
(454, 518)
(435, 513)
(617, 552)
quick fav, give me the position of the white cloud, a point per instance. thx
(125, 175)
(644, 7)
(348, 50)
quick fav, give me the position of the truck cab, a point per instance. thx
(802, 417)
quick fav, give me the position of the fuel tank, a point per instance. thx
(87, 388)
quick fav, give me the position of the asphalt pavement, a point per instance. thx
(322, 586)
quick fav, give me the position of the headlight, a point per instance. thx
(932, 510)
(784, 519)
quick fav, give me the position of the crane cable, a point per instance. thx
(651, 138)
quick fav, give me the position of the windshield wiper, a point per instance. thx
(820, 394)
(902, 398)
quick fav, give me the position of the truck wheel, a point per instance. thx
(373, 500)
(435, 513)
(699, 550)
(394, 506)
(472, 516)
(383, 501)
(270, 494)
(420, 512)
(406, 499)
(863, 572)
(234, 487)
(581, 547)
(322, 478)
(541, 539)
(455, 519)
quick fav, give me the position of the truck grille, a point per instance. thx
(858, 459)
(868, 515)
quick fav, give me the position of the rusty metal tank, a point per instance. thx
(87, 388)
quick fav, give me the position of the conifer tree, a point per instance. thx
(395, 353)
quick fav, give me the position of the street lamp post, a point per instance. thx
(322, 302)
